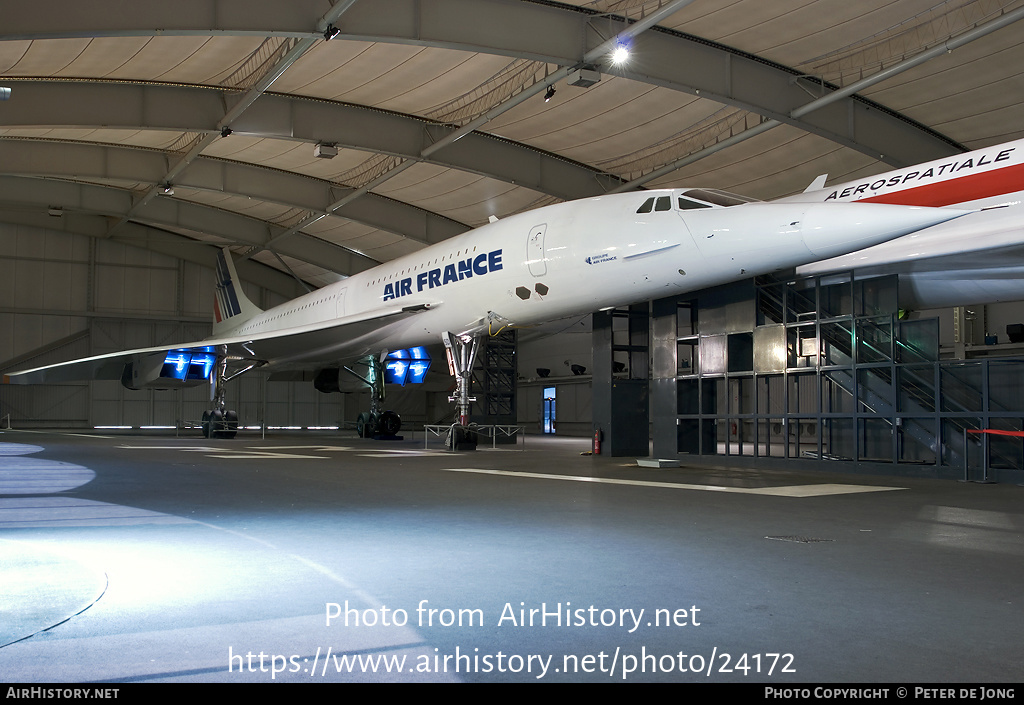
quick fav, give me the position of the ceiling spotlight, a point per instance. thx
(550, 94)
(225, 131)
(331, 32)
(620, 55)
(55, 211)
(168, 189)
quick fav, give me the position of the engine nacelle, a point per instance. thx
(326, 380)
(177, 369)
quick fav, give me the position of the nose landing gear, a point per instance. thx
(461, 352)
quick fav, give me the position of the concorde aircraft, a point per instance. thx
(978, 259)
(542, 265)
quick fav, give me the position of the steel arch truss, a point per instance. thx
(551, 32)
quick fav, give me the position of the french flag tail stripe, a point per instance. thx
(227, 300)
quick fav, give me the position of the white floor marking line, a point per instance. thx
(319, 448)
(56, 433)
(188, 449)
(229, 453)
(791, 491)
(243, 455)
(826, 489)
(403, 454)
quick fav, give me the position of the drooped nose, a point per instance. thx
(833, 229)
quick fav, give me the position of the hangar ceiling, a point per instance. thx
(181, 126)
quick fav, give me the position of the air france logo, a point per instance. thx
(600, 259)
(439, 276)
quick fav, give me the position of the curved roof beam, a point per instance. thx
(560, 34)
(84, 161)
(908, 63)
(155, 239)
(282, 63)
(113, 203)
(525, 94)
(96, 104)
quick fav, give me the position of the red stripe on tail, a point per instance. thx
(960, 190)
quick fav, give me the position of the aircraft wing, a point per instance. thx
(323, 342)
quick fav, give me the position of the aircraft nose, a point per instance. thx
(832, 229)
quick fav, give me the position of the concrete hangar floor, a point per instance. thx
(321, 558)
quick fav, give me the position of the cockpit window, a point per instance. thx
(716, 197)
(694, 199)
(647, 207)
(685, 204)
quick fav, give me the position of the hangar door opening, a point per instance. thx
(548, 412)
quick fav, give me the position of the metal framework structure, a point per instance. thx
(180, 128)
(825, 371)
(181, 179)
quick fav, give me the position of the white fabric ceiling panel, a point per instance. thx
(437, 71)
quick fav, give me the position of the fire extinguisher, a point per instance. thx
(597, 441)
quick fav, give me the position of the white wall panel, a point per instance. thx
(57, 327)
(573, 410)
(28, 278)
(108, 290)
(40, 405)
(192, 403)
(30, 241)
(8, 268)
(23, 334)
(145, 290)
(48, 274)
(114, 252)
(64, 246)
(8, 240)
(65, 285)
(197, 290)
(28, 332)
(573, 344)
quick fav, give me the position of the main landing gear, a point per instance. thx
(377, 423)
(221, 422)
(370, 425)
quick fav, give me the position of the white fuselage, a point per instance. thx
(578, 257)
(972, 260)
(543, 265)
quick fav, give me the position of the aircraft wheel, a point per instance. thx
(229, 426)
(220, 424)
(216, 423)
(460, 438)
(389, 423)
(365, 425)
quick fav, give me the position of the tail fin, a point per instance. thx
(817, 184)
(231, 307)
